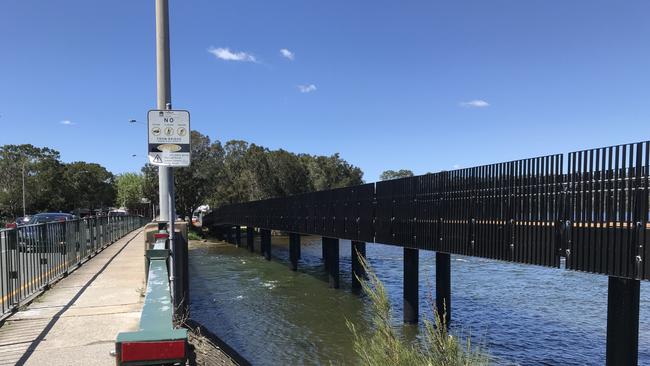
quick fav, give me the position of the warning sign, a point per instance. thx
(169, 140)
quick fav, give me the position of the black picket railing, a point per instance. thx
(34, 256)
(590, 207)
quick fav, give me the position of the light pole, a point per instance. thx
(163, 82)
(164, 101)
(24, 205)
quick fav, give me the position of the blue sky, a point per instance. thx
(424, 85)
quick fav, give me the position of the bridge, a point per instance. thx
(584, 211)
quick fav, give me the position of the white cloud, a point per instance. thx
(456, 166)
(228, 55)
(287, 54)
(478, 103)
(67, 123)
(307, 88)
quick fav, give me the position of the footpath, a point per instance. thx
(76, 321)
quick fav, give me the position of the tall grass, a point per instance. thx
(384, 346)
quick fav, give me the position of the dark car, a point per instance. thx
(37, 235)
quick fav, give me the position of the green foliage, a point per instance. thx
(233, 172)
(50, 185)
(392, 174)
(150, 182)
(129, 190)
(193, 235)
(238, 171)
(89, 185)
(385, 347)
(194, 183)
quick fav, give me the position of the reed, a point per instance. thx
(384, 346)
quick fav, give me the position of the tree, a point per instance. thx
(129, 190)
(194, 184)
(391, 174)
(329, 172)
(89, 185)
(150, 183)
(44, 182)
(290, 176)
(238, 172)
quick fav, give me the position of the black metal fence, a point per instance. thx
(590, 207)
(34, 256)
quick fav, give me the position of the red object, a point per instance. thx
(11, 225)
(161, 236)
(153, 351)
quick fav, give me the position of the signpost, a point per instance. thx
(169, 137)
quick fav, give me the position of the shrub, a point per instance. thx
(385, 347)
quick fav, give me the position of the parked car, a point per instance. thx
(20, 221)
(117, 213)
(38, 237)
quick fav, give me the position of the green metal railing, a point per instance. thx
(32, 257)
(156, 341)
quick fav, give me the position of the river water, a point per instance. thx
(524, 315)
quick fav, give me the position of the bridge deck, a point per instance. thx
(76, 321)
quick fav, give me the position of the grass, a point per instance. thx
(193, 235)
(384, 346)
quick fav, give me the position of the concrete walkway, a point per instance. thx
(77, 320)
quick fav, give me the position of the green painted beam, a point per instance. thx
(156, 319)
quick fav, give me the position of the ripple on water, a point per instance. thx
(523, 314)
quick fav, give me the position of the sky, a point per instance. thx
(420, 85)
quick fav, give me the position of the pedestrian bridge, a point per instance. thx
(584, 211)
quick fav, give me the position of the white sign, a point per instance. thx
(169, 137)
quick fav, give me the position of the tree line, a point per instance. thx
(49, 184)
(239, 171)
(221, 173)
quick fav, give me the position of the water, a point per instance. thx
(524, 314)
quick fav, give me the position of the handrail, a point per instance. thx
(156, 340)
(35, 256)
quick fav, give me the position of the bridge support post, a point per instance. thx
(250, 238)
(265, 236)
(229, 235)
(443, 286)
(332, 261)
(358, 252)
(411, 285)
(294, 250)
(238, 235)
(622, 321)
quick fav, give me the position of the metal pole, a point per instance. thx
(24, 210)
(164, 100)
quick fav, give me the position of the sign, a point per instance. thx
(169, 137)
